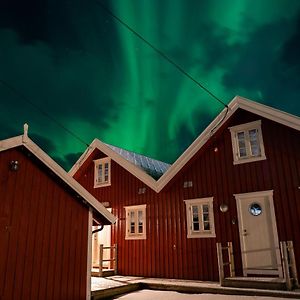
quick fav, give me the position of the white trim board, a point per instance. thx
(269, 195)
(24, 140)
(89, 255)
(238, 102)
(130, 167)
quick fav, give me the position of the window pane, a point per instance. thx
(132, 227)
(196, 226)
(195, 218)
(205, 217)
(100, 171)
(206, 226)
(140, 221)
(106, 172)
(205, 208)
(242, 144)
(254, 143)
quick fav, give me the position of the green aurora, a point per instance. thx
(96, 78)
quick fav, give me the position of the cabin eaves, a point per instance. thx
(24, 140)
(171, 170)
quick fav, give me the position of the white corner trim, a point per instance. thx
(102, 161)
(267, 193)
(201, 234)
(245, 127)
(136, 236)
(89, 255)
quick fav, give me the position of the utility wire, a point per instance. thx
(161, 53)
(25, 99)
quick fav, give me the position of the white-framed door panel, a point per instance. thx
(258, 234)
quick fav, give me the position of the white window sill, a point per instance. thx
(136, 237)
(101, 185)
(201, 235)
(247, 160)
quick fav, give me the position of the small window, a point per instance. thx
(255, 209)
(247, 143)
(102, 172)
(135, 222)
(200, 218)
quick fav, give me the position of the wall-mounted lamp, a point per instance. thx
(14, 165)
(223, 207)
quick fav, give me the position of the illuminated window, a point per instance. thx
(247, 143)
(102, 172)
(135, 222)
(200, 218)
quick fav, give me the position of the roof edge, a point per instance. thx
(58, 170)
(237, 102)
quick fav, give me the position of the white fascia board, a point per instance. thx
(77, 187)
(58, 170)
(82, 158)
(269, 113)
(237, 102)
(11, 143)
(196, 146)
(130, 167)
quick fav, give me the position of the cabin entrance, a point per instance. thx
(258, 234)
(102, 237)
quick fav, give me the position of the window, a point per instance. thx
(102, 172)
(247, 143)
(200, 218)
(135, 222)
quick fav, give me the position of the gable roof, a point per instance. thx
(24, 140)
(238, 102)
(134, 163)
(154, 168)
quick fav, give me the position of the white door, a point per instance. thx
(258, 233)
(101, 237)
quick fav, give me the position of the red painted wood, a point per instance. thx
(43, 254)
(213, 175)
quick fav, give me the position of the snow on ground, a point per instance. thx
(167, 295)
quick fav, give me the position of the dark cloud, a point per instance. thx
(268, 67)
(46, 144)
(67, 161)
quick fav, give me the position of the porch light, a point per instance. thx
(14, 165)
(223, 207)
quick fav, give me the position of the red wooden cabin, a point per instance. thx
(238, 182)
(45, 226)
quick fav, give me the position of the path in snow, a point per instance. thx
(167, 295)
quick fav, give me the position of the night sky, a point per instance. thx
(93, 76)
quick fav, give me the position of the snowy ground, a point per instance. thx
(166, 295)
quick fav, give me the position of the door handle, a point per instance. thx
(245, 233)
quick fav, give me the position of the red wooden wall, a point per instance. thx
(167, 252)
(43, 234)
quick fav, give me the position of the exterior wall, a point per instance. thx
(43, 233)
(167, 252)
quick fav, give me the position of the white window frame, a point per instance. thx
(98, 162)
(235, 146)
(135, 235)
(201, 233)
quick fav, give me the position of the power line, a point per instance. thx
(25, 99)
(161, 53)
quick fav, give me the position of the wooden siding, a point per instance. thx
(167, 252)
(43, 233)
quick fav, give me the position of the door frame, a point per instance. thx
(269, 195)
